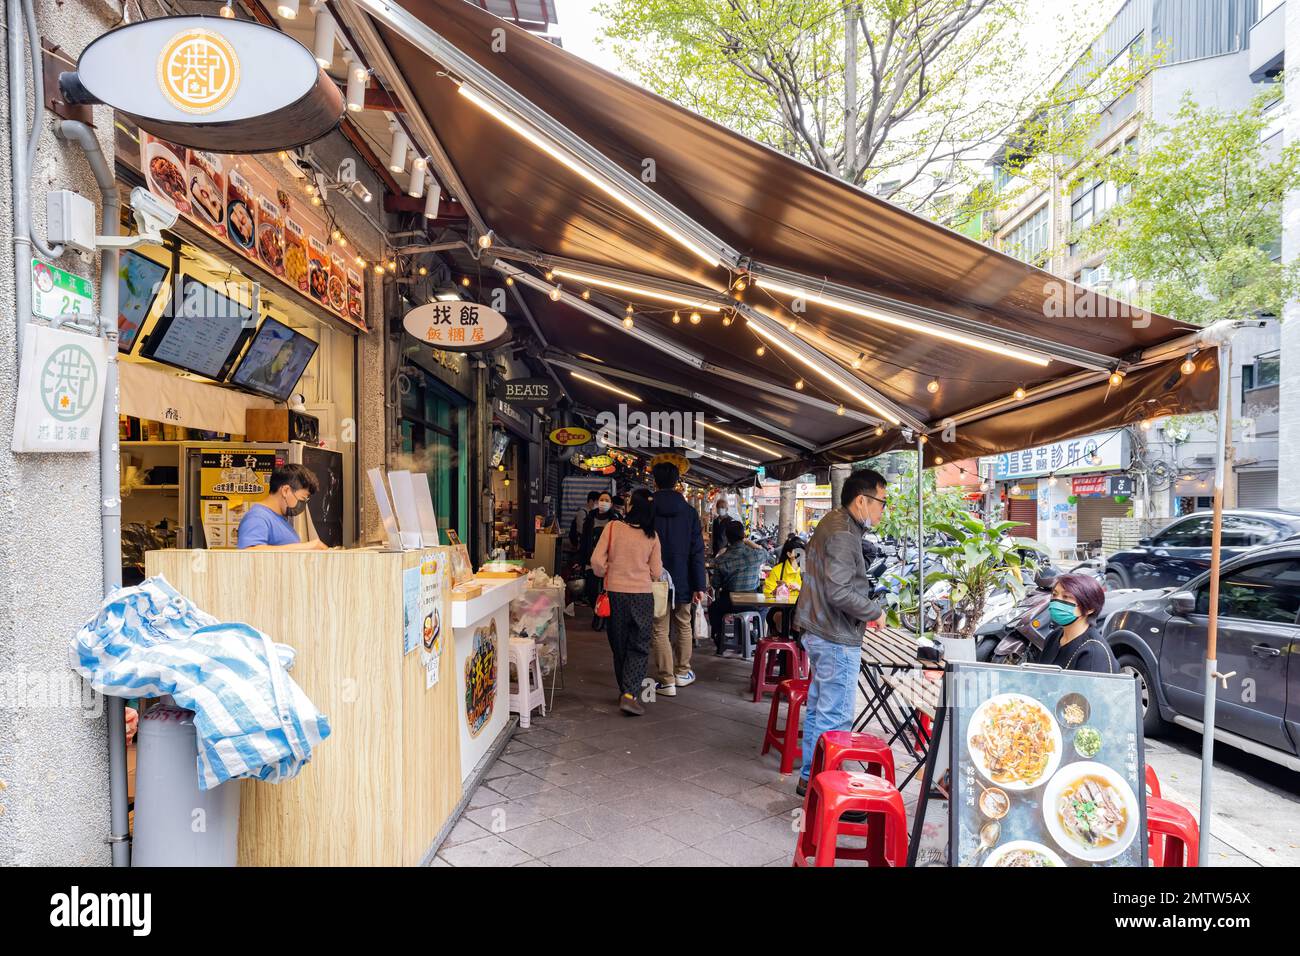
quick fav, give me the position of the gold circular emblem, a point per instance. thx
(198, 71)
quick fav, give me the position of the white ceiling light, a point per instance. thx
(323, 42)
(415, 189)
(432, 200)
(287, 8)
(360, 191)
(743, 440)
(638, 290)
(608, 188)
(358, 80)
(844, 386)
(401, 146)
(877, 315)
(605, 385)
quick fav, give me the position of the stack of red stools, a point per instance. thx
(766, 675)
(833, 792)
(1173, 838)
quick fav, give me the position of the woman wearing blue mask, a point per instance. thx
(1076, 600)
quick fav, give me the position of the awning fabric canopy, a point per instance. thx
(778, 213)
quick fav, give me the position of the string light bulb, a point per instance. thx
(932, 386)
(627, 322)
(695, 318)
(1019, 393)
(857, 362)
(549, 275)
(379, 268)
(880, 430)
(485, 240)
(586, 293)
(799, 385)
(726, 320)
(938, 459)
(761, 351)
(336, 235)
(1116, 378)
(840, 409)
(555, 294)
(1189, 364)
(510, 280)
(287, 9)
(228, 12)
(1051, 481)
(677, 318)
(392, 265)
(628, 309)
(423, 270)
(465, 281)
(360, 262)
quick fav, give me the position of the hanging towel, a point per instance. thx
(252, 719)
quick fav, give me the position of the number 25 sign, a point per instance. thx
(457, 326)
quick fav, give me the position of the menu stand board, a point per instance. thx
(238, 201)
(1047, 767)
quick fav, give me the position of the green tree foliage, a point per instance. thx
(908, 95)
(1203, 214)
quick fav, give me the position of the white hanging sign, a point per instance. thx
(60, 391)
(457, 326)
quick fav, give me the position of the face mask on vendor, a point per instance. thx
(603, 505)
(294, 500)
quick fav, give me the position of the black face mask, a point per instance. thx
(296, 510)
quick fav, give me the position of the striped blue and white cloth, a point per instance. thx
(252, 719)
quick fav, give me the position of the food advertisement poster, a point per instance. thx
(235, 199)
(230, 481)
(481, 678)
(1047, 768)
(430, 617)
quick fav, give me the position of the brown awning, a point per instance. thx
(782, 215)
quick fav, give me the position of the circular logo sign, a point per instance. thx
(570, 435)
(69, 383)
(198, 71)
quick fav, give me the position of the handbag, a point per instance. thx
(602, 604)
(660, 591)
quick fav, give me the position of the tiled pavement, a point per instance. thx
(682, 786)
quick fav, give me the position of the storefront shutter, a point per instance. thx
(1026, 510)
(1257, 489)
(1092, 510)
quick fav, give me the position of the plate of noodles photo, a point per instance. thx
(1091, 811)
(1014, 741)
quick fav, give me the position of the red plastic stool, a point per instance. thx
(831, 794)
(836, 746)
(786, 739)
(764, 678)
(1173, 837)
(1153, 782)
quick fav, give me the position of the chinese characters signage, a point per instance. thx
(230, 481)
(457, 326)
(198, 71)
(60, 391)
(1107, 451)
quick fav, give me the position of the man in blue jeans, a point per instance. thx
(834, 607)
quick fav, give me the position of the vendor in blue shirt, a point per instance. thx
(266, 526)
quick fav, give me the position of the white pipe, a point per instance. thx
(21, 171)
(110, 499)
(38, 121)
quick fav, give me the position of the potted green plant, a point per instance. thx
(980, 559)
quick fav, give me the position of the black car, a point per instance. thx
(1161, 640)
(1181, 550)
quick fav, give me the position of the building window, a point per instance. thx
(1030, 239)
(1264, 372)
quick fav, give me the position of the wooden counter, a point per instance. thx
(379, 789)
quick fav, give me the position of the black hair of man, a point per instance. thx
(297, 477)
(666, 475)
(735, 531)
(864, 481)
(593, 497)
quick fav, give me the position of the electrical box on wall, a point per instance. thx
(71, 220)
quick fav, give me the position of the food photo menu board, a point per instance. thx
(235, 199)
(1047, 768)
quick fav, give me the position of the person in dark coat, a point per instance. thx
(681, 543)
(719, 530)
(592, 528)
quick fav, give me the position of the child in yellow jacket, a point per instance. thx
(788, 570)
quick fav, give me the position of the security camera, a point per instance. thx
(152, 215)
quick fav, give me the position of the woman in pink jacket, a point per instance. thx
(627, 557)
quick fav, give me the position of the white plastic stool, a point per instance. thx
(526, 690)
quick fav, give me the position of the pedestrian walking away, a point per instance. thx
(628, 557)
(681, 542)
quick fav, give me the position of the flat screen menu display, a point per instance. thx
(274, 361)
(139, 280)
(201, 332)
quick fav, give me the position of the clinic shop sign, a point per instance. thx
(457, 326)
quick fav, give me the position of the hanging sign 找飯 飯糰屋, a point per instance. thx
(457, 326)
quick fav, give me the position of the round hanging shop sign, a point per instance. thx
(228, 86)
(457, 326)
(570, 435)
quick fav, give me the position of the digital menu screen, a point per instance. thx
(201, 331)
(274, 361)
(139, 280)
